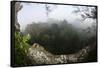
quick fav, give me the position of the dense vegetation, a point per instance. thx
(21, 49)
(57, 37)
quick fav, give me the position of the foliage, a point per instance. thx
(86, 12)
(21, 49)
(56, 37)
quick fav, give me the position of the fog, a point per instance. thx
(33, 12)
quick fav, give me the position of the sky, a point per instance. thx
(34, 12)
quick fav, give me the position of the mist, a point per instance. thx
(38, 13)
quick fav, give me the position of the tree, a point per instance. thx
(49, 9)
(57, 37)
(86, 12)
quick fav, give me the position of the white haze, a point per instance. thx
(37, 13)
